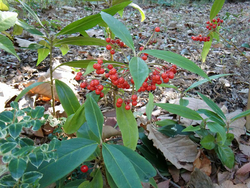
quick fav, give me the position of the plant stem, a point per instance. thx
(51, 77)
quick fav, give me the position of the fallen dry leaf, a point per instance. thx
(180, 150)
(229, 184)
(175, 173)
(244, 169)
(200, 180)
(203, 163)
(245, 149)
(223, 176)
(109, 131)
(164, 184)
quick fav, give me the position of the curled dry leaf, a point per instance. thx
(180, 150)
(199, 179)
(109, 131)
(244, 169)
(175, 173)
(203, 163)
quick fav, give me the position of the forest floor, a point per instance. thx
(178, 24)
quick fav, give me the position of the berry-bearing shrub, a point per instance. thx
(119, 77)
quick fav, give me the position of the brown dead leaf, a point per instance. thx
(244, 169)
(180, 150)
(109, 131)
(203, 163)
(175, 173)
(224, 176)
(229, 184)
(164, 184)
(200, 180)
(39, 133)
(245, 149)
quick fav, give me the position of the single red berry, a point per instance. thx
(145, 84)
(119, 100)
(214, 20)
(221, 21)
(164, 75)
(214, 26)
(108, 40)
(84, 168)
(121, 80)
(99, 61)
(121, 44)
(208, 22)
(118, 105)
(97, 91)
(127, 107)
(117, 41)
(100, 87)
(144, 58)
(134, 103)
(101, 71)
(157, 29)
(134, 97)
(110, 66)
(166, 80)
(83, 84)
(79, 73)
(207, 26)
(153, 87)
(149, 87)
(211, 24)
(112, 52)
(96, 82)
(174, 66)
(101, 94)
(112, 71)
(108, 47)
(141, 48)
(132, 81)
(171, 75)
(77, 77)
(107, 75)
(112, 41)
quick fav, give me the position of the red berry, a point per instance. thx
(112, 52)
(110, 66)
(166, 80)
(132, 81)
(119, 100)
(144, 58)
(108, 47)
(164, 75)
(127, 107)
(214, 26)
(101, 70)
(145, 84)
(112, 41)
(117, 41)
(121, 80)
(174, 66)
(134, 97)
(121, 44)
(107, 75)
(97, 91)
(84, 168)
(211, 24)
(100, 87)
(101, 94)
(141, 48)
(171, 75)
(112, 71)
(157, 29)
(108, 40)
(221, 21)
(99, 61)
(83, 84)
(77, 77)
(134, 103)
(208, 22)
(97, 66)
(153, 87)
(79, 73)
(118, 105)
(214, 20)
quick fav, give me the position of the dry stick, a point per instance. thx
(174, 184)
(51, 78)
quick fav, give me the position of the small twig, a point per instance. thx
(174, 184)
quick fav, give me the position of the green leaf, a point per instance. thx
(180, 110)
(242, 114)
(110, 180)
(89, 68)
(165, 122)
(143, 168)
(119, 29)
(97, 181)
(4, 6)
(26, 142)
(6, 116)
(139, 71)
(94, 116)
(17, 30)
(208, 142)
(120, 167)
(7, 20)
(195, 84)
(150, 106)
(28, 28)
(64, 49)
(15, 129)
(7, 45)
(42, 52)
(212, 116)
(226, 155)
(172, 130)
(38, 112)
(213, 106)
(31, 177)
(7, 147)
(90, 21)
(177, 60)
(191, 128)
(36, 158)
(216, 8)
(82, 41)
(22, 152)
(32, 13)
(217, 128)
(67, 97)
(26, 90)
(184, 102)
(7, 181)
(140, 10)
(168, 86)
(206, 49)
(17, 167)
(128, 127)
(70, 155)
(36, 125)
(75, 121)
(85, 132)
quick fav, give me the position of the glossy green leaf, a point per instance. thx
(165, 122)
(94, 116)
(172, 130)
(82, 41)
(7, 20)
(7, 45)
(73, 123)
(242, 114)
(64, 49)
(7, 147)
(32, 13)
(128, 127)
(70, 155)
(26, 142)
(120, 168)
(4, 6)
(143, 168)
(217, 128)
(217, 5)
(153, 183)
(42, 52)
(22, 151)
(90, 21)
(28, 28)
(97, 181)
(31, 177)
(17, 167)
(36, 125)
(17, 30)
(208, 142)
(26, 90)
(6, 117)
(67, 97)
(36, 158)
(195, 84)
(74, 183)
(206, 49)
(119, 29)
(226, 155)
(85, 132)
(191, 128)
(213, 106)
(140, 10)
(139, 71)
(15, 129)
(150, 106)
(89, 68)
(177, 60)
(38, 112)
(184, 102)
(7, 181)
(180, 110)
(110, 180)
(212, 116)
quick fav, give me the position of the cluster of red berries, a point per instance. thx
(214, 23)
(201, 38)
(84, 168)
(145, 55)
(112, 41)
(127, 102)
(156, 77)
